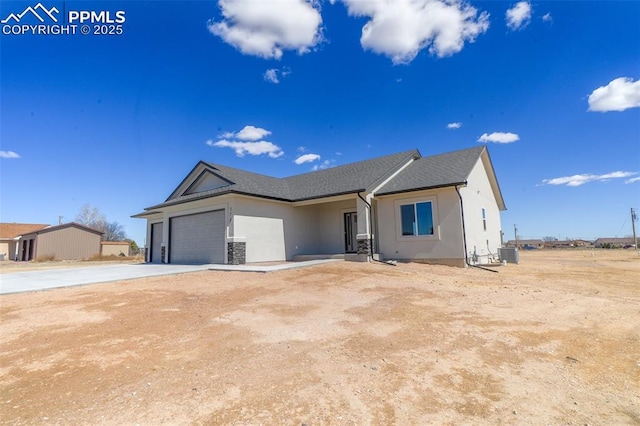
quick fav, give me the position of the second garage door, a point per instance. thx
(197, 238)
(156, 243)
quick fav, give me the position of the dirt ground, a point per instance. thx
(553, 340)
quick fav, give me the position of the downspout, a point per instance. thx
(371, 232)
(464, 235)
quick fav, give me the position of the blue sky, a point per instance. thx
(284, 87)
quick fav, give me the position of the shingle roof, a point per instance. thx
(425, 172)
(615, 240)
(354, 177)
(242, 182)
(349, 178)
(434, 171)
(13, 230)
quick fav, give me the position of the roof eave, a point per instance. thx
(265, 197)
(423, 188)
(143, 215)
(337, 194)
(219, 194)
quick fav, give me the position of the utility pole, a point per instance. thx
(60, 219)
(515, 233)
(633, 226)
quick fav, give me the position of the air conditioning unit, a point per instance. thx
(510, 255)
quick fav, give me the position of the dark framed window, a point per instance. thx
(416, 219)
(484, 219)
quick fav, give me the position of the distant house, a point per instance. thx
(115, 248)
(557, 244)
(63, 242)
(10, 235)
(582, 243)
(526, 244)
(614, 242)
(567, 244)
(439, 209)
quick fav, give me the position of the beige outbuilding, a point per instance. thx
(10, 235)
(116, 248)
(63, 242)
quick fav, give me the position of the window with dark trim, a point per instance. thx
(416, 219)
(484, 219)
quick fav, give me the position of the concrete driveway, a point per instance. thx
(19, 282)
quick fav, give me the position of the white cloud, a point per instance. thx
(8, 154)
(615, 175)
(519, 15)
(456, 125)
(307, 158)
(620, 94)
(254, 146)
(251, 148)
(267, 28)
(499, 137)
(547, 17)
(273, 75)
(633, 180)
(577, 180)
(248, 133)
(401, 29)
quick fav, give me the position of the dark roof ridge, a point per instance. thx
(221, 167)
(355, 163)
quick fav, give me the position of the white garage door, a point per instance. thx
(156, 243)
(197, 238)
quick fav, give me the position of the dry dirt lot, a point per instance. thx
(553, 340)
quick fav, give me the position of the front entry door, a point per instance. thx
(350, 232)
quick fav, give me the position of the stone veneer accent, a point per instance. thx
(236, 253)
(363, 246)
(163, 252)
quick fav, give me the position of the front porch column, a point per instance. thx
(364, 227)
